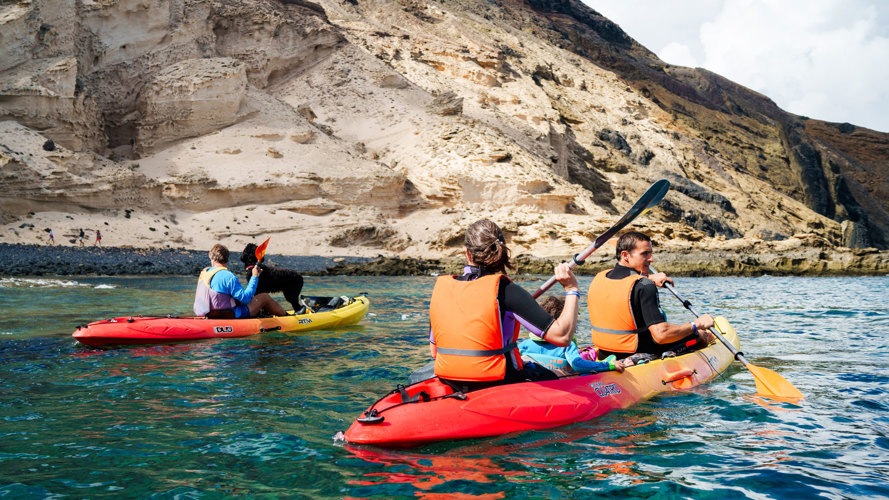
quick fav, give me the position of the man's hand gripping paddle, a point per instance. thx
(768, 383)
(645, 202)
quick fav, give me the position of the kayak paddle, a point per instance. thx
(645, 202)
(260, 250)
(768, 382)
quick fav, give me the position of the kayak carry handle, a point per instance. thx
(263, 330)
(679, 376)
(370, 417)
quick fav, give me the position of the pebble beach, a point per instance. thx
(41, 260)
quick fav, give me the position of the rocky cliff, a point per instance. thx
(370, 127)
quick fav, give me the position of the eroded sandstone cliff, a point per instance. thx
(384, 127)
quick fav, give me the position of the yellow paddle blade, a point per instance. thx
(771, 385)
(260, 250)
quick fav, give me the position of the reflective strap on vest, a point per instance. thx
(620, 332)
(470, 352)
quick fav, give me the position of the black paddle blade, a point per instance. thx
(649, 199)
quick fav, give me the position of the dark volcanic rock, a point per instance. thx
(390, 266)
(37, 260)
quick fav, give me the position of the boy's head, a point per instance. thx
(553, 305)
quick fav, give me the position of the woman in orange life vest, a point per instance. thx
(625, 309)
(475, 317)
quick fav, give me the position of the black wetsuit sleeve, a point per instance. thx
(647, 303)
(526, 310)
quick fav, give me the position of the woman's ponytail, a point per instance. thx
(487, 246)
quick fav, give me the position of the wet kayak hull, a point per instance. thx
(527, 406)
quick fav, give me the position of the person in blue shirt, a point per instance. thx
(564, 360)
(220, 295)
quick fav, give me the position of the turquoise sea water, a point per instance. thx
(256, 417)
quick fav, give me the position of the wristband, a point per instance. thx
(573, 292)
(694, 329)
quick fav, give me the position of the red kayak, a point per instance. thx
(155, 330)
(431, 411)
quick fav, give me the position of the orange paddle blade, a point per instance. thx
(770, 384)
(260, 250)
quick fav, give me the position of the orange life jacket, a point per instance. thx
(614, 328)
(466, 329)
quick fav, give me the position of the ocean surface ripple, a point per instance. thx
(257, 416)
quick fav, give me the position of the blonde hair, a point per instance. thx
(487, 247)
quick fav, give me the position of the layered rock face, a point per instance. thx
(385, 127)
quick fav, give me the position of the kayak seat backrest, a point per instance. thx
(334, 303)
(316, 304)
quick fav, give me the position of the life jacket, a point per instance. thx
(206, 299)
(614, 328)
(466, 328)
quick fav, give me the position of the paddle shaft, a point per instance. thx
(715, 330)
(650, 198)
(578, 259)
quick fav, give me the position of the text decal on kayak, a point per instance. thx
(223, 329)
(605, 389)
(305, 321)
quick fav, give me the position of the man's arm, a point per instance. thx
(226, 282)
(661, 331)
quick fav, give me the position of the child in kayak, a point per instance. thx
(565, 360)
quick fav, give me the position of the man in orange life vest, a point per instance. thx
(625, 309)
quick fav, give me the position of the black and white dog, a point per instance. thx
(274, 279)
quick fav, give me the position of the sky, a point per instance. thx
(825, 59)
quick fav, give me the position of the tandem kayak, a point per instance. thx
(155, 330)
(430, 410)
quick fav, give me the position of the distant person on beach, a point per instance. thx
(98, 237)
(565, 360)
(80, 238)
(51, 239)
(625, 308)
(219, 294)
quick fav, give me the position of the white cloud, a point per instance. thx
(826, 59)
(678, 54)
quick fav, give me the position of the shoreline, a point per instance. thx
(18, 259)
(40, 260)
